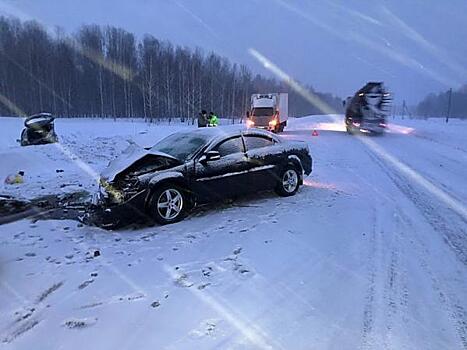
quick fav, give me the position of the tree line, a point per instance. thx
(436, 105)
(108, 72)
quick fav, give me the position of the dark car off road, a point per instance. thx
(200, 166)
(38, 130)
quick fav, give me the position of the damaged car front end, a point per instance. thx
(114, 207)
(38, 129)
(123, 186)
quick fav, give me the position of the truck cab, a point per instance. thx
(268, 111)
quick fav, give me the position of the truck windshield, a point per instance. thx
(262, 112)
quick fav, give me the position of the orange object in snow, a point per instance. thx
(314, 133)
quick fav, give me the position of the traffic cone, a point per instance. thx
(314, 133)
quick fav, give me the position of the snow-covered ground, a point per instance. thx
(371, 253)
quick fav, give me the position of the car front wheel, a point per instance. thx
(289, 182)
(168, 204)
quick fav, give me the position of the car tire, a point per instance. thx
(289, 181)
(281, 127)
(168, 204)
(53, 139)
(24, 138)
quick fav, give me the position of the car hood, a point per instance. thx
(129, 157)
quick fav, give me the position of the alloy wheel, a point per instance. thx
(170, 204)
(290, 180)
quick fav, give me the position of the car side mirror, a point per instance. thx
(210, 156)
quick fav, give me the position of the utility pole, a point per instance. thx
(449, 104)
(404, 109)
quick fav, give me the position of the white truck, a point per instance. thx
(269, 111)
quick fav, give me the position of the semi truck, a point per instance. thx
(366, 111)
(269, 111)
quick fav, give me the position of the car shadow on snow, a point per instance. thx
(77, 206)
(50, 207)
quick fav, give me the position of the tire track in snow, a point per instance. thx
(387, 292)
(447, 298)
(443, 166)
(390, 295)
(29, 319)
(368, 340)
(453, 239)
(450, 146)
(395, 290)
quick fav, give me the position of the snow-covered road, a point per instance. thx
(370, 254)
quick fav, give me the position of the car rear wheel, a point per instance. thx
(168, 204)
(289, 182)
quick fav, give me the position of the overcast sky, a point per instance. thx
(415, 46)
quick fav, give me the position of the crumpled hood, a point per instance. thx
(129, 157)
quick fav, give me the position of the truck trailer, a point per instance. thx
(269, 111)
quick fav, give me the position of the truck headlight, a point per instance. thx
(250, 123)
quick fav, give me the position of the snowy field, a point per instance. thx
(370, 254)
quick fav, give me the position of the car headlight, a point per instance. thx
(109, 191)
(117, 197)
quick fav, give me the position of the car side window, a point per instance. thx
(253, 142)
(230, 146)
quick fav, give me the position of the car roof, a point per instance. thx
(39, 120)
(221, 132)
(38, 115)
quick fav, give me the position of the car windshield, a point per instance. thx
(181, 145)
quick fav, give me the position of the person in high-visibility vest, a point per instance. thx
(213, 120)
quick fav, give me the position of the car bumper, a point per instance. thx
(374, 127)
(119, 214)
(371, 129)
(264, 127)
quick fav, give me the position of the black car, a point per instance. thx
(38, 130)
(200, 166)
